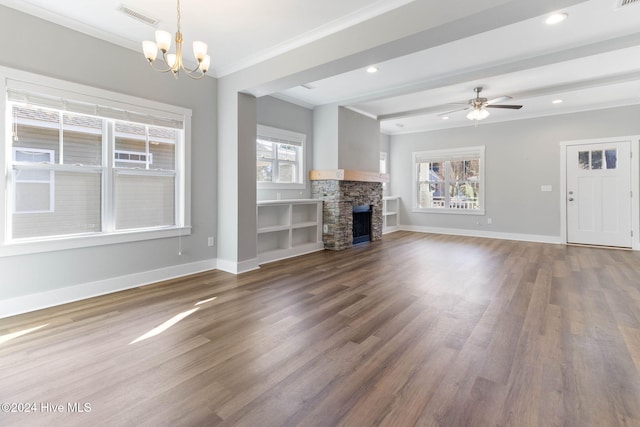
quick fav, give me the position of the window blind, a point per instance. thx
(46, 97)
(448, 155)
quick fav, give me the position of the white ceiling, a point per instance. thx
(590, 61)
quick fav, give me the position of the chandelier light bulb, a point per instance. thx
(199, 50)
(171, 60)
(163, 40)
(204, 64)
(150, 50)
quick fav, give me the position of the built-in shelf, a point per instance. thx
(390, 214)
(288, 228)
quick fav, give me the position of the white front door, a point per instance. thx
(599, 194)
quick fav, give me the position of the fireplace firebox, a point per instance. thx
(361, 224)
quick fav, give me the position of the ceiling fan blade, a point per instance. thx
(510, 107)
(453, 111)
(500, 99)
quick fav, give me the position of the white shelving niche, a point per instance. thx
(288, 228)
(390, 214)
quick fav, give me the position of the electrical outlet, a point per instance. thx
(210, 241)
(489, 221)
(325, 229)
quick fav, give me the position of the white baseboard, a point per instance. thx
(27, 303)
(486, 234)
(238, 267)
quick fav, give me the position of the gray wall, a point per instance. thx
(247, 112)
(385, 140)
(285, 115)
(359, 141)
(345, 139)
(520, 157)
(41, 47)
(325, 137)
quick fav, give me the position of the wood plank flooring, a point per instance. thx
(417, 329)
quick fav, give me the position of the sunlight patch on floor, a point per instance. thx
(9, 337)
(205, 301)
(166, 325)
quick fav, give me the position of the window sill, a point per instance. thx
(24, 247)
(449, 211)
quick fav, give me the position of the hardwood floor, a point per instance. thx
(417, 329)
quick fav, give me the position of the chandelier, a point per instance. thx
(173, 61)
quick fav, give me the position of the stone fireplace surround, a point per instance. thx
(339, 197)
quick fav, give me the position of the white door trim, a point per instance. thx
(635, 183)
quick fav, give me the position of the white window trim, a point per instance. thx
(22, 80)
(452, 153)
(294, 137)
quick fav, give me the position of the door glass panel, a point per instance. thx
(611, 157)
(596, 160)
(583, 160)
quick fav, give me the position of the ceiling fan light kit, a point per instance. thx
(478, 114)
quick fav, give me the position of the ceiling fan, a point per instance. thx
(479, 106)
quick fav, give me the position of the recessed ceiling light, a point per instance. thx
(556, 18)
(445, 118)
(556, 101)
(372, 70)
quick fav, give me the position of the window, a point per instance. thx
(280, 158)
(383, 162)
(383, 169)
(34, 188)
(84, 166)
(449, 181)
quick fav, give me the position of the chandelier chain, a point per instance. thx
(179, 15)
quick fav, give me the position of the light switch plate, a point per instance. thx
(546, 188)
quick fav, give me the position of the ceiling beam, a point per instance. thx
(541, 91)
(494, 70)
